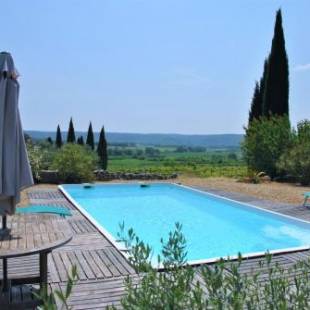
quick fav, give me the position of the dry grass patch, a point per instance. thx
(279, 192)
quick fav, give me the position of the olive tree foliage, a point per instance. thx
(159, 290)
(219, 286)
(75, 163)
(266, 140)
(296, 161)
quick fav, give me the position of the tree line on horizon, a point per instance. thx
(90, 142)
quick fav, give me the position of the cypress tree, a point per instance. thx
(276, 92)
(80, 140)
(50, 140)
(90, 137)
(58, 137)
(256, 105)
(262, 83)
(102, 150)
(71, 133)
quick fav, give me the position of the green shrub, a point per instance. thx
(296, 161)
(219, 286)
(41, 156)
(265, 142)
(75, 163)
(35, 159)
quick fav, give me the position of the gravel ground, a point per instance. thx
(273, 191)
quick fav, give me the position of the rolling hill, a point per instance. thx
(213, 141)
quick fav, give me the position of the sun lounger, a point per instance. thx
(306, 196)
(44, 209)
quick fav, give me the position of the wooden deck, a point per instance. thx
(101, 267)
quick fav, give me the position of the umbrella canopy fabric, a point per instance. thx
(15, 171)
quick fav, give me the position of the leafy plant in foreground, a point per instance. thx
(169, 289)
(222, 285)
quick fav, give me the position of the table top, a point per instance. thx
(33, 233)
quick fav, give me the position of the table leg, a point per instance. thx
(43, 269)
(5, 283)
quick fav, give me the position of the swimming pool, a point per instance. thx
(213, 226)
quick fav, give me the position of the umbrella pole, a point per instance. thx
(3, 222)
(4, 230)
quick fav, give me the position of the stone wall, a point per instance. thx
(49, 177)
(102, 175)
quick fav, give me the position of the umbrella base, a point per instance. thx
(5, 232)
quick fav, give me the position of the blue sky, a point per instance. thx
(168, 66)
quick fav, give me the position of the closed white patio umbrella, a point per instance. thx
(15, 171)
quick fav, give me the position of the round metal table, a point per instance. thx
(31, 234)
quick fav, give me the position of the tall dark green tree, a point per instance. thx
(256, 105)
(102, 150)
(256, 110)
(71, 133)
(276, 92)
(80, 140)
(262, 83)
(90, 137)
(49, 140)
(58, 137)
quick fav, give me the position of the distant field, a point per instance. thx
(169, 160)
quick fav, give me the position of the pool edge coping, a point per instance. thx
(124, 251)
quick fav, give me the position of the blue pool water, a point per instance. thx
(213, 226)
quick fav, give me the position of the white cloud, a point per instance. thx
(305, 67)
